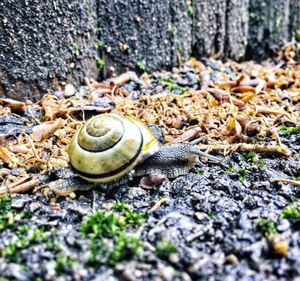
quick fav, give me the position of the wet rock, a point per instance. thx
(20, 203)
(34, 206)
(15, 272)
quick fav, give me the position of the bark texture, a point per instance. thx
(46, 43)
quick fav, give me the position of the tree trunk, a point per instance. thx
(46, 44)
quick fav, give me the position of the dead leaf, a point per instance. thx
(46, 129)
(17, 107)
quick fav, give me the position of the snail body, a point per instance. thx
(111, 147)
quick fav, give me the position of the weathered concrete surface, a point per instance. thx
(45, 43)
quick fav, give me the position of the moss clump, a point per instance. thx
(286, 131)
(171, 85)
(108, 232)
(164, 249)
(9, 216)
(131, 217)
(266, 226)
(25, 238)
(141, 64)
(291, 213)
(64, 264)
(100, 63)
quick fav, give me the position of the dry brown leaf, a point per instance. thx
(46, 129)
(51, 105)
(15, 106)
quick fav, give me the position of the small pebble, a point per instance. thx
(70, 90)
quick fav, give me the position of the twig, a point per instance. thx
(23, 187)
(158, 204)
(246, 147)
(294, 182)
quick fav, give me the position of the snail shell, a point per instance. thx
(110, 145)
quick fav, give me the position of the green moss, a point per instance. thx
(211, 214)
(297, 35)
(164, 249)
(171, 85)
(9, 216)
(102, 224)
(131, 217)
(243, 172)
(141, 64)
(198, 172)
(64, 264)
(190, 11)
(100, 63)
(5, 204)
(172, 31)
(266, 227)
(108, 232)
(291, 213)
(286, 131)
(125, 247)
(99, 44)
(75, 50)
(261, 165)
(13, 250)
(250, 156)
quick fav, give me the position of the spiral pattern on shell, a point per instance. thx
(110, 145)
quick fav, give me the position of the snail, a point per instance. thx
(113, 147)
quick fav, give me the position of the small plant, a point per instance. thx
(266, 226)
(99, 44)
(110, 242)
(171, 85)
(75, 50)
(172, 31)
(261, 164)
(131, 217)
(243, 172)
(251, 156)
(13, 249)
(286, 131)
(102, 224)
(198, 172)
(297, 35)
(190, 11)
(64, 263)
(8, 215)
(5, 204)
(291, 213)
(164, 249)
(125, 247)
(100, 63)
(141, 64)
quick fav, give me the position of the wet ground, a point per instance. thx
(211, 222)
